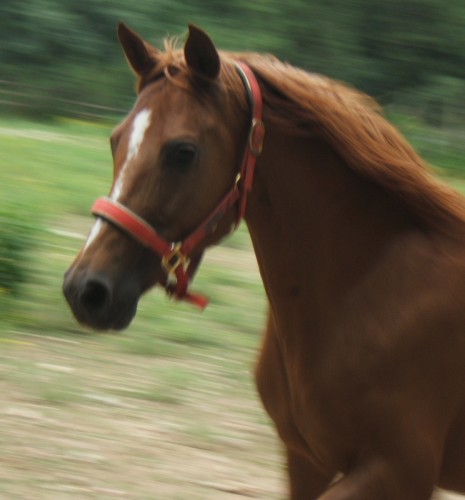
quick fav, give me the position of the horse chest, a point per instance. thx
(297, 405)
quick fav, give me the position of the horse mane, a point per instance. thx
(352, 124)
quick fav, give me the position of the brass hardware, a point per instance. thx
(173, 259)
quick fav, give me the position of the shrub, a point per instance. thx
(17, 238)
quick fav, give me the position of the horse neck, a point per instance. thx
(316, 227)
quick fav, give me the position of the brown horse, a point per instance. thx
(361, 251)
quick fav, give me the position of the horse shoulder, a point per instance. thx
(273, 386)
(394, 347)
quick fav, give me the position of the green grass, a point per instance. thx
(55, 168)
(54, 171)
(443, 148)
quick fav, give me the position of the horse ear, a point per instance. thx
(137, 52)
(200, 53)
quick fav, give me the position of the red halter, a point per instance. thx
(175, 255)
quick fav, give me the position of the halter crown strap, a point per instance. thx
(256, 133)
(175, 255)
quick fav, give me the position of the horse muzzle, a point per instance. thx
(98, 302)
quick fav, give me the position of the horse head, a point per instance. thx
(176, 156)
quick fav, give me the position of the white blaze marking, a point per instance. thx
(93, 233)
(139, 127)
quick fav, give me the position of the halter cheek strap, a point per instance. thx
(175, 256)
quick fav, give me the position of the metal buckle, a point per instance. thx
(256, 136)
(173, 259)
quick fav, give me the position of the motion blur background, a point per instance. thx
(166, 410)
(404, 52)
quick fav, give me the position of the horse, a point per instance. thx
(360, 248)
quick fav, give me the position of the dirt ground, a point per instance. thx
(80, 421)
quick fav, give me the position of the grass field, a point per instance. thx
(165, 410)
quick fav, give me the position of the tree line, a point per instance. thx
(60, 57)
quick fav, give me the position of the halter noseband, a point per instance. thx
(175, 260)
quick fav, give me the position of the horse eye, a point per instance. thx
(180, 156)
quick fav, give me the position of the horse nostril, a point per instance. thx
(96, 296)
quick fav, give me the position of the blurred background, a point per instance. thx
(61, 58)
(167, 409)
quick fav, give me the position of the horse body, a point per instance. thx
(361, 253)
(369, 339)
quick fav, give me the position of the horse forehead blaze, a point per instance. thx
(139, 127)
